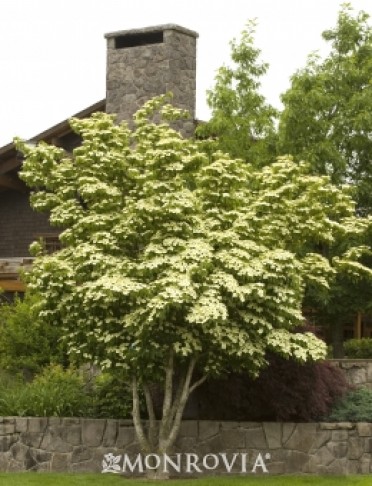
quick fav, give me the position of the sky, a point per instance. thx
(53, 54)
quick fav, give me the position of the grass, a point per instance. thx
(45, 479)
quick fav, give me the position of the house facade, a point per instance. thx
(141, 64)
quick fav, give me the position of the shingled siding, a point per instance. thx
(19, 224)
(80, 445)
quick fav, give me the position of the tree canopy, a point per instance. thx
(327, 116)
(242, 122)
(175, 258)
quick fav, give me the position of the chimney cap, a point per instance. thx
(156, 28)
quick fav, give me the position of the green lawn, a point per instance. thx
(44, 479)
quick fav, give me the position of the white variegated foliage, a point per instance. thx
(166, 246)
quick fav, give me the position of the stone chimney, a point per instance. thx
(143, 63)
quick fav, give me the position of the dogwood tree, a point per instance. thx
(176, 260)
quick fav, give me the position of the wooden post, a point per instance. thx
(358, 326)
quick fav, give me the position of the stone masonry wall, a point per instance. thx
(79, 445)
(358, 372)
(139, 72)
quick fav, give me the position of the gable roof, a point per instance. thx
(60, 134)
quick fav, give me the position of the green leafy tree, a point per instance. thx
(175, 259)
(242, 121)
(327, 120)
(327, 116)
(26, 343)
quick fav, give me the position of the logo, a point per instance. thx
(110, 464)
(186, 462)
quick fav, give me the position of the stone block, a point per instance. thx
(273, 433)
(189, 428)
(92, 432)
(7, 428)
(60, 462)
(54, 421)
(338, 467)
(14, 466)
(340, 435)
(256, 439)
(91, 466)
(336, 426)
(111, 433)
(71, 421)
(356, 448)
(208, 429)
(43, 467)
(275, 462)
(288, 429)
(364, 429)
(357, 376)
(6, 442)
(368, 445)
(21, 424)
(53, 442)
(303, 438)
(211, 445)
(71, 434)
(365, 464)
(323, 456)
(233, 439)
(296, 462)
(338, 449)
(31, 439)
(185, 444)
(126, 436)
(4, 461)
(19, 452)
(37, 425)
(81, 454)
(40, 456)
(353, 467)
(322, 438)
(276, 468)
(369, 372)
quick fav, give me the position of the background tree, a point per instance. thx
(327, 116)
(242, 121)
(327, 120)
(176, 259)
(27, 344)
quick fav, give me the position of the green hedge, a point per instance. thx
(358, 348)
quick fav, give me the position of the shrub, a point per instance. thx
(65, 393)
(111, 396)
(356, 406)
(27, 345)
(54, 392)
(358, 348)
(285, 391)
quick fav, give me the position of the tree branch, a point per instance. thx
(181, 405)
(152, 418)
(197, 383)
(144, 444)
(168, 397)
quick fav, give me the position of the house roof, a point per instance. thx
(11, 160)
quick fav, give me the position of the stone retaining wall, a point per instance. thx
(79, 445)
(358, 372)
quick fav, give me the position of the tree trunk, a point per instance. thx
(159, 437)
(337, 336)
